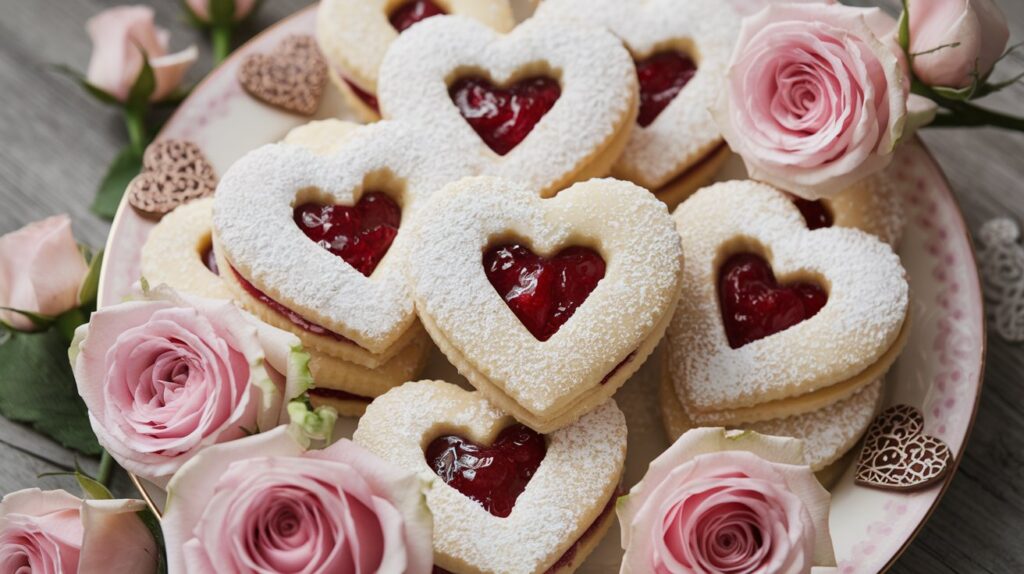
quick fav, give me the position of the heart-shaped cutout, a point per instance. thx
(409, 13)
(367, 302)
(174, 172)
(627, 279)
(822, 356)
(493, 475)
(681, 52)
(567, 494)
(360, 234)
(662, 76)
(548, 103)
(291, 78)
(755, 306)
(543, 292)
(503, 117)
(898, 456)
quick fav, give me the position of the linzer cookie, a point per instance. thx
(179, 252)
(541, 505)
(174, 172)
(291, 78)
(547, 306)
(681, 52)
(354, 35)
(549, 103)
(776, 319)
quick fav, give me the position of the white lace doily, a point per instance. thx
(1001, 258)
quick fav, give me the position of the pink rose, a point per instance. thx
(817, 100)
(41, 271)
(201, 8)
(166, 377)
(53, 531)
(726, 502)
(956, 41)
(264, 504)
(117, 35)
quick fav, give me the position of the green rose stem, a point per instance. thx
(106, 470)
(221, 39)
(135, 122)
(965, 114)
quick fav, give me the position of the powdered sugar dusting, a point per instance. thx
(596, 74)
(624, 223)
(684, 132)
(867, 305)
(254, 224)
(581, 469)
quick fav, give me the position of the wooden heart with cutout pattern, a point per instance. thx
(291, 78)
(898, 456)
(174, 172)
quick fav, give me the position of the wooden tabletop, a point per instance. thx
(57, 144)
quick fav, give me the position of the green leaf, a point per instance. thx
(37, 387)
(40, 321)
(89, 290)
(904, 28)
(955, 94)
(992, 87)
(125, 166)
(144, 86)
(153, 525)
(93, 90)
(92, 488)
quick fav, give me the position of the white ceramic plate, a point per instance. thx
(939, 372)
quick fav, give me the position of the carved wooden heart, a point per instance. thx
(292, 77)
(174, 172)
(898, 456)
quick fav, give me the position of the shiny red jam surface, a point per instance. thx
(543, 292)
(755, 306)
(494, 475)
(503, 117)
(815, 213)
(411, 12)
(662, 76)
(296, 319)
(367, 98)
(360, 234)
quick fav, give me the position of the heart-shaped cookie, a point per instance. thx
(808, 363)
(354, 35)
(174, 172)
(681, 52)
(562, 509)
(898, 456)
(280, 258)
(177, 252)
(291, 78)
(586, 342)
(463, 80)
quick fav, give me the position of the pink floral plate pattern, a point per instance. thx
(940, 371)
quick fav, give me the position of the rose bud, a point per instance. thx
(955, 42)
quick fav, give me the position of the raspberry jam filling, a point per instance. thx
(360, 234)
(543, 292)
(367, 98)
(495, 475)
(411, 12)
(503, 117)
(339, 395)
(662, 76)
(615, 369)
(815, 213)
(296, 319)
(755, 306)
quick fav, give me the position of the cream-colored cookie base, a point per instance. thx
(344, 350)
(594, 538)
(700, 174)
(827, 434)
(333, 373)
(362, 110)
(344, 408)
(322, 137)
(573, 407)
(600, 164)
(807, 402)
(873, 205)
(580, 472)
(173, 253)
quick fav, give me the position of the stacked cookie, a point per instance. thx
(781, 328)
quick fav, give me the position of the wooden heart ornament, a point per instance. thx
(174, 172)
(291, 78)
(505, 499)
(898, 456)
(548, 103)
(326, 236)
(776, 319)
(681, 52)
(547, 306)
